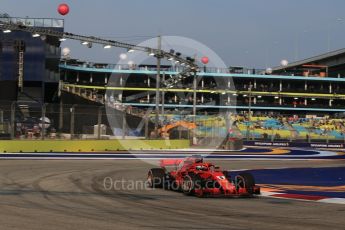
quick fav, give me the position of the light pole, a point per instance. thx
(249, 111)
(328, 37)
(329, 34)
(158, 84)
(194, 104)
(297, 43)
(163, 97)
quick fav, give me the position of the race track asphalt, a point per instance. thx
(74, 194)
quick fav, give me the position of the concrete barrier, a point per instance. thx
(17, 146)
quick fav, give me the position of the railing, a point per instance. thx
(89, 94)
(206, 71)
(163, 68)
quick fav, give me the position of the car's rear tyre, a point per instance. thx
(156, 178)
(245, 180)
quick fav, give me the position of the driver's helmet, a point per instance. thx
(198, 159)
(201, 167)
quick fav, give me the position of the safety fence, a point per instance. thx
(64, 121)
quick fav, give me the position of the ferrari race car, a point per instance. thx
(193, 176)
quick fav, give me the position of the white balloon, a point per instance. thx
(46, 123)
(123, 56)
(66, 51)
(284, 62)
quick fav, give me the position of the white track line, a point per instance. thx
(325, 200)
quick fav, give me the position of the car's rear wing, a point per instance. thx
(170, 162)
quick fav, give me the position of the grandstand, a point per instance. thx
(217, 91)
(282, 107)
(293, 128)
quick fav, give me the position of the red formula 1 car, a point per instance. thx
(193, 176)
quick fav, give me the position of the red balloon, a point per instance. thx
(204, 60)
(63, 9)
